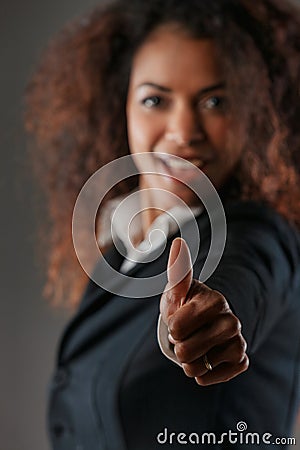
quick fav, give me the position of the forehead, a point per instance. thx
(170, 54)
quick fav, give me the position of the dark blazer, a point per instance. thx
(113, 389)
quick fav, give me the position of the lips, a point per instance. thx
(183, 169)
(179, 163)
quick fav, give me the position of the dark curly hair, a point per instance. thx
(75, 106)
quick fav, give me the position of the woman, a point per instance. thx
(213, 86)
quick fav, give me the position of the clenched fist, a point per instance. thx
(205, 333)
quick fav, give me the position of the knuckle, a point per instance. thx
(240, 350)
(179, 322)
(220, 303)
(244, 344)
(189, 370)
(245, 364)
(228, 327)
(234, 325)
(200, 381)
(175, 328)
(181, 352)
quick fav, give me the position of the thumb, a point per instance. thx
(180, 276)
(180, 268)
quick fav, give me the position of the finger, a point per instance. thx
(196, 369)
(180, 276)
(224, 372)
(201, 342)
(232, 352)
(203, 307)
(180, 268)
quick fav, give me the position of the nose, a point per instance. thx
(184, 127)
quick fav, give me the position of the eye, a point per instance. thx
(214, 102)
(151, 102)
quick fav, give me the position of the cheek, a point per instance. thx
(136, 126)
(217, 129)
(227, 153)
(143, 131)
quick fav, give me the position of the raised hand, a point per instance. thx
(205, 333)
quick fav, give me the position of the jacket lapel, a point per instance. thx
(96, 296)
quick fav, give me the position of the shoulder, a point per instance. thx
(252, 215)
(257, 232)
(254, 231)
(253, 210)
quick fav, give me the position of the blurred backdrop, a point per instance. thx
(29, 328)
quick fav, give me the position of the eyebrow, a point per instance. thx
(205, 90)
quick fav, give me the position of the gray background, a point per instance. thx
(29, 328)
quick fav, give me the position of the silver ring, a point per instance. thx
(207, 363)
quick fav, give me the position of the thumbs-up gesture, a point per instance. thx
(205, 333)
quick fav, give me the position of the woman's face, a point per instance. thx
(177, 105)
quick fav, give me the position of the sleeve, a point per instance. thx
(259, 271)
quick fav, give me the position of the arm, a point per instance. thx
(250, 286)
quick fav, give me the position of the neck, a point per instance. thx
(150, 212)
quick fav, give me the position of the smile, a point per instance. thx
(179, 163)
